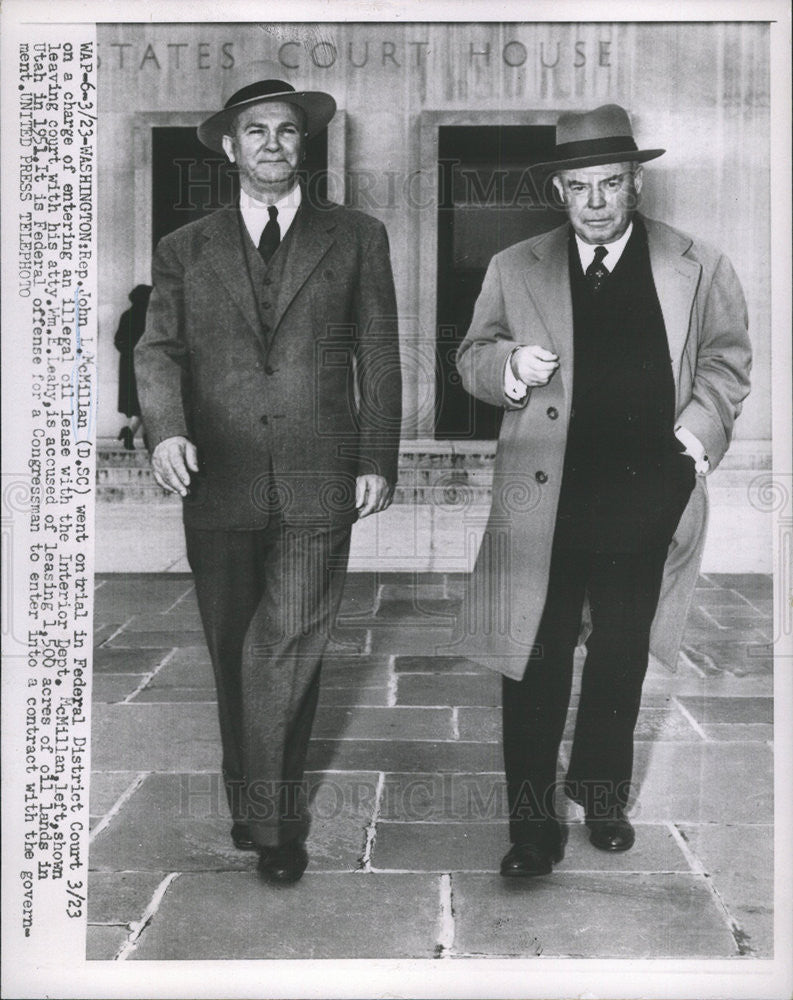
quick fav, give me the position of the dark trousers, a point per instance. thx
(268, 600)
(623, 591)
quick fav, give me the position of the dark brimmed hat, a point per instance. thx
(318, 107)
(589, 138)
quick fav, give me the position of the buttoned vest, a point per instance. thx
(625, 482)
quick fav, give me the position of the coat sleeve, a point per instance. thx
(378, 370)
(161, 356)
(482, 356)
(723, 363)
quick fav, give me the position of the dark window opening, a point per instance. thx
(487, 202)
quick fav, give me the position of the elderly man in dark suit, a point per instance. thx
(270, 384)
(618, 348)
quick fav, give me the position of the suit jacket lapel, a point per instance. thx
(676, 278)
(310, 241)
(227, 258)
(548, 281)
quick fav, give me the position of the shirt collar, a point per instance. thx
(586, 251)
(255, 215)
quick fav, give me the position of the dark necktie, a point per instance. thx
(271, 235)
(597, 272)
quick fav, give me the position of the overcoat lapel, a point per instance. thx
(548, 280)
(676, 279)
(227, 259)
(311, 240)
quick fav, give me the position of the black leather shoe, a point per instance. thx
(241, 836)
(612, 832)
(535, 857)
(283, 864)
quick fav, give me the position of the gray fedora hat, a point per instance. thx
(318, 107)
(589, 138)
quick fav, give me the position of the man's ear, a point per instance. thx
(559, 188)
(228, 147)
(638, 178)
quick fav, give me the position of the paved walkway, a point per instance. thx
(408, 796)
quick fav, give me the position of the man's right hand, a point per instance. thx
(173, 460)
(534, 365)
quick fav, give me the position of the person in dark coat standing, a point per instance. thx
(618, 348)
(130, 330)
(270, 381)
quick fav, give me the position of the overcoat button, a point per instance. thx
(329, 275)
(267, 305)
(541, 477)
(264, 420)
(269, 370)
(552, 412)
(265, 328)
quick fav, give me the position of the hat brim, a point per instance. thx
(597, 159)
(318, 107)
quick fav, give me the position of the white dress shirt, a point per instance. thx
(255, 216)
(517, 389)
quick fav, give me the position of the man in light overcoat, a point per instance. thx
(618, 348)
(270, 384)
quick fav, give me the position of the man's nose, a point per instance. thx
(272, 142)
(596, 199)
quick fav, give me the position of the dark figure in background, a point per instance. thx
(130, 330)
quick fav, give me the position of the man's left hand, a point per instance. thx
(372, 494)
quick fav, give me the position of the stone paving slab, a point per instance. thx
(589, 916)
(323, 916)
(112, 688)
(455, 689)
(180, 822)
(687, 682)
(730, 710)
(484, 724)
(438, 665)
(133, 661)
(749, 584)
(139, 592)
(714, 658)
(347, 671)
(422, 640)
(740, 863)
(155, 738)
(362, 723)
(479, 847)
(103, 943)
(103, 631)
(186, 667)
(736, 732)
(106, 787)
(185, 619)
(435, 797)
(126, 639)
(721, 596)
(353, 695)
(173, 822)
(152, 695)
(419, 593)
(704, 782)
(402, 755)
(418, 612)
(119, 897)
